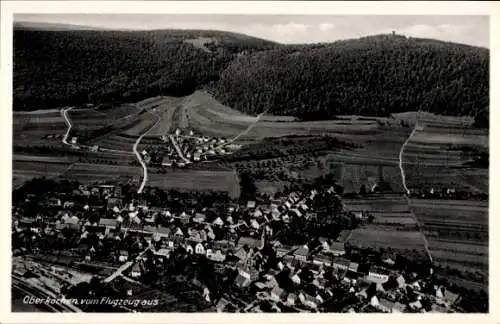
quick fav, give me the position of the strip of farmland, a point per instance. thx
(381, 237)
(197, 180)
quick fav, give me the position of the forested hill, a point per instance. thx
(54, 68)
(375, 75)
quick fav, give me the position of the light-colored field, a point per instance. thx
(430, 119)
(168, 109)
(448, 136)
(206, 116)
(146, 120)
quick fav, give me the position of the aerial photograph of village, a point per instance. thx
(250, 164)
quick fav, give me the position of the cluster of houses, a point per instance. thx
(307, 278)
(190, 148)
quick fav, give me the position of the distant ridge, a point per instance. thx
(52, 27)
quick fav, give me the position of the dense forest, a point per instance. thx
(56, 68)
(375, 75)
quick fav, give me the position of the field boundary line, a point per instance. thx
(244, 132)
(407, 195)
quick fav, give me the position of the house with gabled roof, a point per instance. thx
(218, 222)
(301, 253)
(199, 218)
(337, 248)
(136, 272)
(243, 278)
(199, 248)
(122, 256)
(278, 294)
(308, 300)
(341, 263)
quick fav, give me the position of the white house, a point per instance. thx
(136, 271)
(199, 249)
(374, 301)
(377, 277)
(123, 256)
(254, 224)
(218, 222)
(296, 279)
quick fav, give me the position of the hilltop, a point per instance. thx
(372, 76)
(54, 68)
(368, 76)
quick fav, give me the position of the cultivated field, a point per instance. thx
(457, 232)
(24, 170)
(197, 180)
(430, 119)
(356, 174)
(30, 128)
(387, 237)
(188, 180)
(91, 119)
(91, 173)
(387, 209)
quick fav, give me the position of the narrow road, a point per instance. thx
(407, 195)
(139, 157)
(244, 132)
(178, 149)
(249, 128)
(124, 267)
(403, 177)
(64, 113)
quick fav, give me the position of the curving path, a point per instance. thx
(178, 149)
(407, 195)
(139, 157)
(64, 113)
(401, 168)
